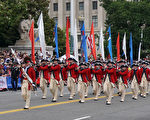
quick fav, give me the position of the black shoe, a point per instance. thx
(119, 93)
(53, 100)
(86, 96)
(134, 98)
(61, 96)
(143, 96)
(43, 98)
(95, 99)
(70, 98)
(121, 101)
(26, 108)
(80, 101)
(108, 103)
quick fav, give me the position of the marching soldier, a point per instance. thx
(97, 79)
(134, 78)
(82, 82)
(55, 79)
(63, 77)
(72, 76)
(122, 82)
(118, 68)
(26, 86)
(44, 77)
(148, 67)
(144, 71)
(109, 83)
(89, 79)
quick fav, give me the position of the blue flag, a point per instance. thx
(131, 49)
(56, 41)
(37, 39)
(83, 43)
(109, 43)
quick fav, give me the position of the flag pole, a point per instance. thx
(72, 27)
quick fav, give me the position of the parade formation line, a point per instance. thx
(53, 104)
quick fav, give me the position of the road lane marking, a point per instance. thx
(83, 118)
(53, 104)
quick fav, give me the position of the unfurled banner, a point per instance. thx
(3, 82)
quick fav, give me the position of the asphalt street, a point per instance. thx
(11, 104)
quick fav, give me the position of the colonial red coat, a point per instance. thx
(56, 70)
(124, 76)
(98, 75)
(64, 73)
(89, 74)
(45, 71)
(115, 74)
(110, 72)
(31, 72)
(137, 74)
(83, 74)
(147, 71)
(72, 70)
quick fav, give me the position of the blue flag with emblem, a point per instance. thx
(110, 43)
(131, 49)
(83, 43)
(56, 41)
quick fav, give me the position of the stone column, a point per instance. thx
(86, 14)
(60, 13)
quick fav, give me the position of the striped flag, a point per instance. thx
(91, 42)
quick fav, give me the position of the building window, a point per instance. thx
(55, 19)
(81, 5)
(81, 23)
(79, 38)
(55, 6)
(68, 6)
(95, 21)
(94, 3)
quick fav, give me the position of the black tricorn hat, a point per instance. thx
(124, 66)
(135, 65)
(55, 59)
(144, 62)
(121, 61)
(83, 63)
(43, 60)
(72, 59)
(110, 62)
(98, 64)
(27, 59)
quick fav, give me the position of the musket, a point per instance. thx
(23, 70)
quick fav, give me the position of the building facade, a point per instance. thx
(84, 10)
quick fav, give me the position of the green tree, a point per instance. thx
(124, 16)
(13, 11)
